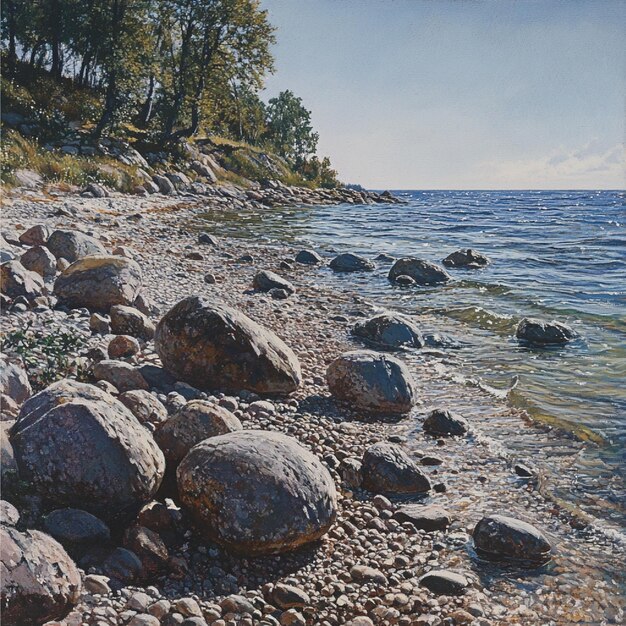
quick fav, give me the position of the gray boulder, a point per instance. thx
(164, 184)
(16, 281)
(14, 381)
(422, 272)
(78, 446)
(126, 320)
(196, 421)
(444, 422)
(386, 468)
(123, 376)
(257, 492)
(265, 281)
(9, 515)
(98, 283)
(40, 582)
(40, 260)
(35, 236)
(75, 529)
(501, 536)
(467, 258)
(541, 332)
(144, 406)
(371, 382)
(72, 245)
(429, 518)
(392, 330)
(8, 466)
(308, 257)
(348, 262)
(211, 345)
(444, 583)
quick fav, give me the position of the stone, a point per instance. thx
(97, 584)
(444, 422)
(40, 582)
(144, 406)
(144, 619)
(285, 497)
(8, 407)
(76, 529)
(444, 583)
(371, 382)
(126, 320)
(99, 324)
(288, 597)
(123, 565)
(123, 376)
(17, 281)
(9, 515)
(429, 518)
(203, 170)
(149, 548)
(210, 279)
(207, 238)
(308, 257)
(8, 465)
(139, 601)
(366, 574)
(348, 262)
(350, 472)
(196, 421)
(265, 281)
(72, 245)
(502, 536)
(40, 260)
(35, 236)
(97, 191)
(404, 280)
(467, 258)
(78, 446)
(422, 272)
(291, 617)
(210, 345)
(387, 469)
(236, 603)
(28, 178)
(144, 304)
(164, 184)
(392, 330)
(122, 347)
(540, 332)
(361, 620)
(14, 381)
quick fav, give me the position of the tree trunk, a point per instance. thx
(146, 110)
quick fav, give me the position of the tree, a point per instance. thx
(289, 128)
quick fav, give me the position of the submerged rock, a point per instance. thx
(72, 245)
(444, 422)
(257, 492)
(211, 345)
(466, 258)
(371, 382)
(265, 281)
(392, 330)
(422, 272)
(386, 468)
(541, 332)
(348, 262)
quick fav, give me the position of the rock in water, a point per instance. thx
(72, 245)
(422, 272)
(540, 332)
(349, 262)
(386, 468)
(265, 280)
(16, 281)
(40, 582)
(371, 382)
(211, 345)
(502, 536)
(98, 283)
(444, 422)
(79, 446)
(392, 330)
(466, 258)
(308, 257)
(257, 492)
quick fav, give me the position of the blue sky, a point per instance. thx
(452, 94)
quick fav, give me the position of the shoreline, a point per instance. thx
(314, 324)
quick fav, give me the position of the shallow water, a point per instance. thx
(557, 255)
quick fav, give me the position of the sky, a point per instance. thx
(460, 94)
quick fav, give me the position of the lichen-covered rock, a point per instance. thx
(14, 381)
(466, 258)
(144, 406)
(40, 582)
(123, 347)
(422, 272)
(98, 283)
(40, 260)
(386, 468)
(196, 421)
(126, 320)
(265, 281)
(123, 376)
(348, 262)
(444, 422)
(16, 281)
(541, 332)
(72, 245)
(211, 345)
(371, 382)
(257, 492)
(392, 330)
(78, 446)
(502, 536)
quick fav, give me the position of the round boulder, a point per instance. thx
(392, 330)
(422, 272)
(98, 283)
(467, 258)
(308, 257)
(348, 262)
(211, 345)
(75, 529)
(444, 422)
(40, 582)
(78, 446)
(540, 332)
(265, 281)
(257, 492)
(16, 281)
(126, 320)
(371, 382)
(386, 468)
(72, 245)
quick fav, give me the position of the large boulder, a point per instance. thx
(40, 260)
(40, 582)
(541, 332)
(211, 345)
(371, 382)
(391, 330)
(14, 381)
(16, 281)
(98, 283)
(386, 468)
(257, 492)
(467, 258)
(264, 280)
(194, 422)
(348, 262)
(422, 272)
(72, 245)
(78, 446)
(502, 536)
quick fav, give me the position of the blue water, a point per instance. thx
(555, 254)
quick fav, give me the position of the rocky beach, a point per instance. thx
(247, 445)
